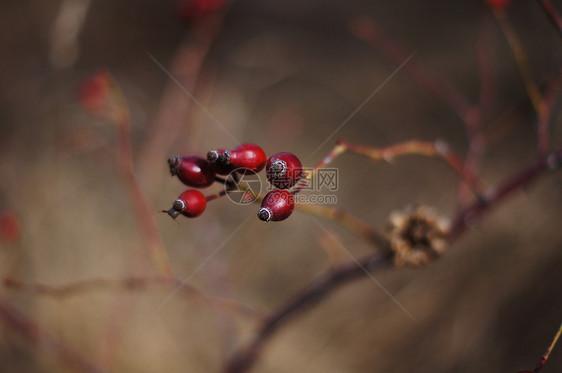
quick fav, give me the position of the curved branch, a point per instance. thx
(313, 294)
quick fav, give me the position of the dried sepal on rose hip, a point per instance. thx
(244, 158)
(417, 236)
(193, 171)
(277, 205)
(190, 203)
(283, 170)
(219, 167)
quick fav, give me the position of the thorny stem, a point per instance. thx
(243, 359)
(35, 335)
(129, 284)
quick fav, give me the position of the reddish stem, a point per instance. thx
(495, 195)
(553, 16)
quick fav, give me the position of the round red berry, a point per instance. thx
(193, 171)
(284, 170)
(277, 205)
(244, 158)
(190, 203)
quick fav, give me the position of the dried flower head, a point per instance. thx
(417, 236)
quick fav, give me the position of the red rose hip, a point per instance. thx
(277, 205)
(193, 171)
(190, 203)
(284, 170)
(246, 157)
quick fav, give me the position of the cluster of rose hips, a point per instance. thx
(283, 170)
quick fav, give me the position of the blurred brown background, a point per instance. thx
(282, 74)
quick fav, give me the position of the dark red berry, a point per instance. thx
(193, 171)
(277, 205)
(284, 170)
(190, 203)
(219, 167)
(246, 157)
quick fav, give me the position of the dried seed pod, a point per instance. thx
(417, 236)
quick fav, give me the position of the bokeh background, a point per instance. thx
(282, 74)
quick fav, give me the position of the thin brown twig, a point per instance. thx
(520, 57)
(35, 335)
(423, 148)
(412, 147)
(367, 30)
(441, 89)
(487, 79)
(244, 358)
(129, 284)
(485, 47)
(465, 218)
(545, 356)
(543, 125)
(348, 221)
(145, 217)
